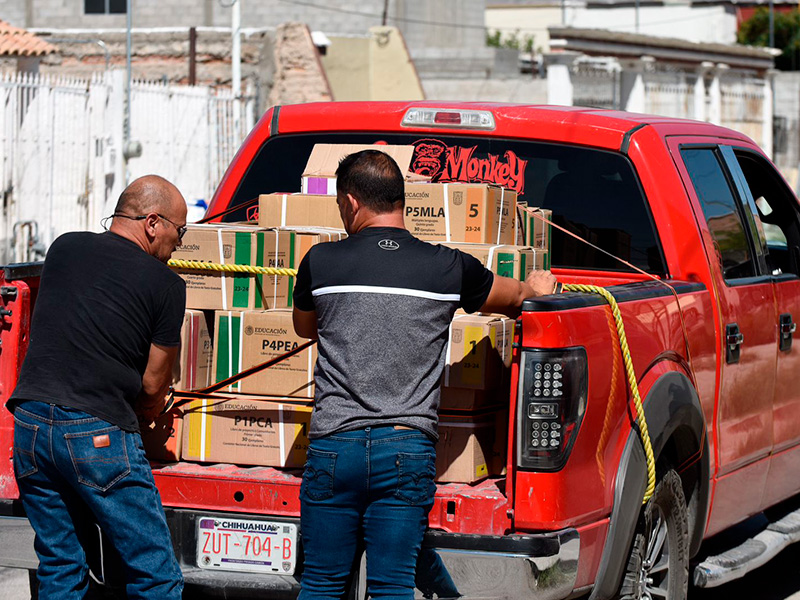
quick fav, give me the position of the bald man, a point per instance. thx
(104, 337)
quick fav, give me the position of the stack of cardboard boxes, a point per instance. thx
(234, 322)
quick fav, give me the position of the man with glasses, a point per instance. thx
(104, 337)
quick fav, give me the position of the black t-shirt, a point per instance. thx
(384, 302)
(102, 301)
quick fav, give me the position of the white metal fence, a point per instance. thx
(737, 99)
(596, 83)
(61, 140)
(670, 92)
(742, 104)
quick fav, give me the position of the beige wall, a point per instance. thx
(372, 67)
(529, 20)
(346, 64)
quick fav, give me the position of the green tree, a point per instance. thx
(513, 40)
(755, 32)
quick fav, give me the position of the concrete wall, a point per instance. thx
(523, 91)
(693, 23)
(13, 11)
(156, 54)
(340, 16)
(346, 62)
(431, 29)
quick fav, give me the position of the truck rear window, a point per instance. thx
(593, 193)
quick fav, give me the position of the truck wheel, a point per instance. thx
(658, 566)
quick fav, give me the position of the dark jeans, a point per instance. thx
(74, 470)
(376, 483)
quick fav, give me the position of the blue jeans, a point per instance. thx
(376, 485)
(74, 470)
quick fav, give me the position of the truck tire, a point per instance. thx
(658, 565)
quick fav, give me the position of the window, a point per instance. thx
(104, 7)
(777, 209)
(594, 194)
(721, 211)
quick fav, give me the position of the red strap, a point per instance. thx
(188, 396)
(228, 211)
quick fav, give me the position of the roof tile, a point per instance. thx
(19, 42)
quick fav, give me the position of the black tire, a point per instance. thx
(658, 565)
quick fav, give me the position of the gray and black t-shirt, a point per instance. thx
(384, 303)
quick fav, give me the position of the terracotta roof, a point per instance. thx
(19, 42)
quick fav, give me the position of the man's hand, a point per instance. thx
(148, 411)
(155, 382)
(507, 295)
(542, 282)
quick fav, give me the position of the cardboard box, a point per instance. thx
(461, 212)
(461, 399)
(509, 261)
(305, 237)
(240, 245)
(193, 369)
(304, 210)
(533, 231)
(464, 452)
(246, 430)
(267, 335)
(478, 351)
(497, 465)
(163, 439)
(249, 338)
(227, 357)
(319, 175)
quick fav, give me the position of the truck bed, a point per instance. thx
(480, 508)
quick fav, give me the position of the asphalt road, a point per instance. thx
(777, 580)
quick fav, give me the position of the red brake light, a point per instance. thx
(447, 118)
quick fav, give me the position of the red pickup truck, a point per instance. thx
(695, 234)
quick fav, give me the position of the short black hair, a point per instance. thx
(373, 178)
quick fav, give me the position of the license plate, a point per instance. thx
(245, 545)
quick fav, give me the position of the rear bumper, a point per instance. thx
(535, 567)
(538, 566)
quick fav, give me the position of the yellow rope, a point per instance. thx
(246, 269)
(637, 400)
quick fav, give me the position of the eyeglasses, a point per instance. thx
(181, 229)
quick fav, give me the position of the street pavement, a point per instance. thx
(777, 580)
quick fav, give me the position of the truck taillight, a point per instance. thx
(550, 405)
(445, 117)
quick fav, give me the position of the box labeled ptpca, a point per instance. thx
(246, 430)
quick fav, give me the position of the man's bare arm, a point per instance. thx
(507, 295)
(156, 381)
(305, 323)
